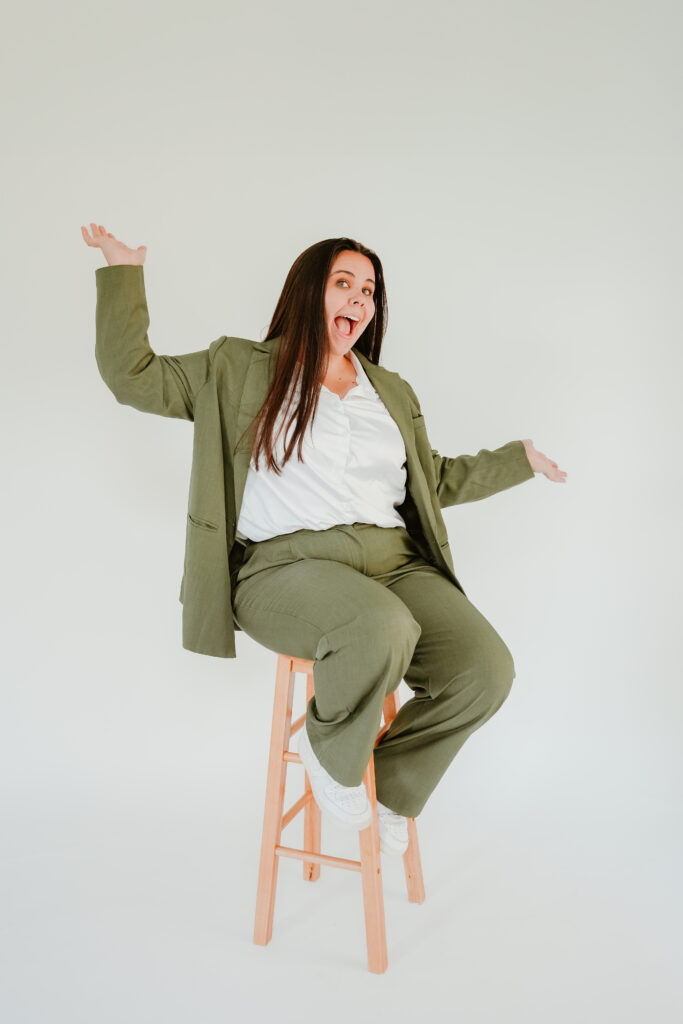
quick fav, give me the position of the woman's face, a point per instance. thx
(349, 293)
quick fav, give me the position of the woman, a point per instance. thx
(333, 542)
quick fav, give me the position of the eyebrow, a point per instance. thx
(351, 274)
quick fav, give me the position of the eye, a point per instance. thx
(368, 291)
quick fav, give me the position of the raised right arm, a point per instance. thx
(136, 375)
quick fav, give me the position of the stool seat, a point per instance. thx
(275, 819)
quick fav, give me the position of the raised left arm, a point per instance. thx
(473, 477)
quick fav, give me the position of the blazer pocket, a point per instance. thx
(203, 524)
(419, 429)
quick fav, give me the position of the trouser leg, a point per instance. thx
(461, 672)
(361, 636)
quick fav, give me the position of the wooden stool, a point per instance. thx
(274, 821)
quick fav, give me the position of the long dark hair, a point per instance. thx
(299, 322)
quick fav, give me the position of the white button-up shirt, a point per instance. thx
(353, 469)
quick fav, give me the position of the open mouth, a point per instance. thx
(345, 325)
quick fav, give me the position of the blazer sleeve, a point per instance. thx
(137, 376)
(473, 477)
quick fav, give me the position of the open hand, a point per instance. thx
(540, 463)
(115, 252)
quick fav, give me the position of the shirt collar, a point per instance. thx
(363, 384)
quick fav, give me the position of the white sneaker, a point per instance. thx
(393, 831)
(349, 804)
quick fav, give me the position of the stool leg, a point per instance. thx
(411, 858)
(371, 874)
(275, 796)
(312, 813)
(413, 866)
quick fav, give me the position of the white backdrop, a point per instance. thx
(517, 168)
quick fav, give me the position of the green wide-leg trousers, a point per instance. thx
(363, 603)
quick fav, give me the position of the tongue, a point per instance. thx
(343, 324)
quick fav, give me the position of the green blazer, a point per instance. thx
(221, 389)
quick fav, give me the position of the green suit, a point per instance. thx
(221, 388)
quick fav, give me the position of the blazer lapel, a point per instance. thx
(254, 390)
(388, 387)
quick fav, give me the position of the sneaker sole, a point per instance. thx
(392, 851)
